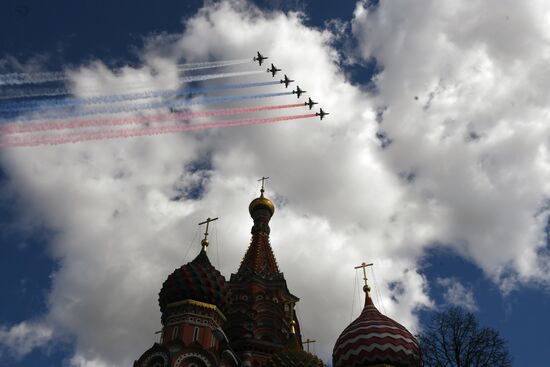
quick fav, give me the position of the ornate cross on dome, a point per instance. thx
(364, 265)
(204, 242)
(263, 182)
(308, 342)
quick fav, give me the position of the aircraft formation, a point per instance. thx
(286, 81)
(40, 108)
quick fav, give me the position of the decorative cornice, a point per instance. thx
(192, 302)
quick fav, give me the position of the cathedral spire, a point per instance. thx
(259, 258)
(261, 318)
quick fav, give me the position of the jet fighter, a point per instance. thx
(321, 113)
(286, 81)
(298, 91)
(273, 70)
(260, 58)
(310, 103)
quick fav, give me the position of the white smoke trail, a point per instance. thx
(57, 76)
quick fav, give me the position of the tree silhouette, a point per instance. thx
(453, 338)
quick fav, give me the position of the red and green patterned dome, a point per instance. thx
(374, 339)
(197, 280)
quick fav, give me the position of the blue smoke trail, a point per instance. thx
(146, 106)
(69, 102)
(28, 93)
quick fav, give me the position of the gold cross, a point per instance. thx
(263, 182)
(204, 242)
(363, 265)
(308, 342)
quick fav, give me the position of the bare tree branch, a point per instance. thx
(453, 338)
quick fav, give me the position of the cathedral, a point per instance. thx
(250, 320)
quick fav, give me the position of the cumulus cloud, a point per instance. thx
(461, 102)
(20, 339)
(458, 170)
(457, 294)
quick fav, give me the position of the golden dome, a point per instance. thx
(261, 202)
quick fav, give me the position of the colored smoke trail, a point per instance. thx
(33, 92)
(31, 78)
(199, 66)
(56, 76)
(190, 65)
(200, 78)
(61, 91)
(61, 125)
(75, 101)
(128, 133)
(146, 106)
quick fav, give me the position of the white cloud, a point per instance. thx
(20, 339)
(457, 294)
(340, 198)
(464, 90)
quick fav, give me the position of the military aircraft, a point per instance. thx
(321, 113)
(286, 81)
(310, 103)
(298, 91)
(260, 58)
(273, 70)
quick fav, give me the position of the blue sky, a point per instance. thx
(485, 249)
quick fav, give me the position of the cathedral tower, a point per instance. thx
(192, 301)
(261, 308)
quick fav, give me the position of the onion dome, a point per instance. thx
(261, 210)
(197, 280)
(292, 355)
(261, 203)
(374, 339)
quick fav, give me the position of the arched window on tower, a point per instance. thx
(195, 334)
(175, 332)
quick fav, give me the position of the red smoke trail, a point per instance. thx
(16, 128)
(114, 134)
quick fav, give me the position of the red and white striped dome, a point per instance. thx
(375, 339)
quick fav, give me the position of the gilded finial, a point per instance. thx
(263, 182)
(204, 242)
(366, 287)
(293, 327)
